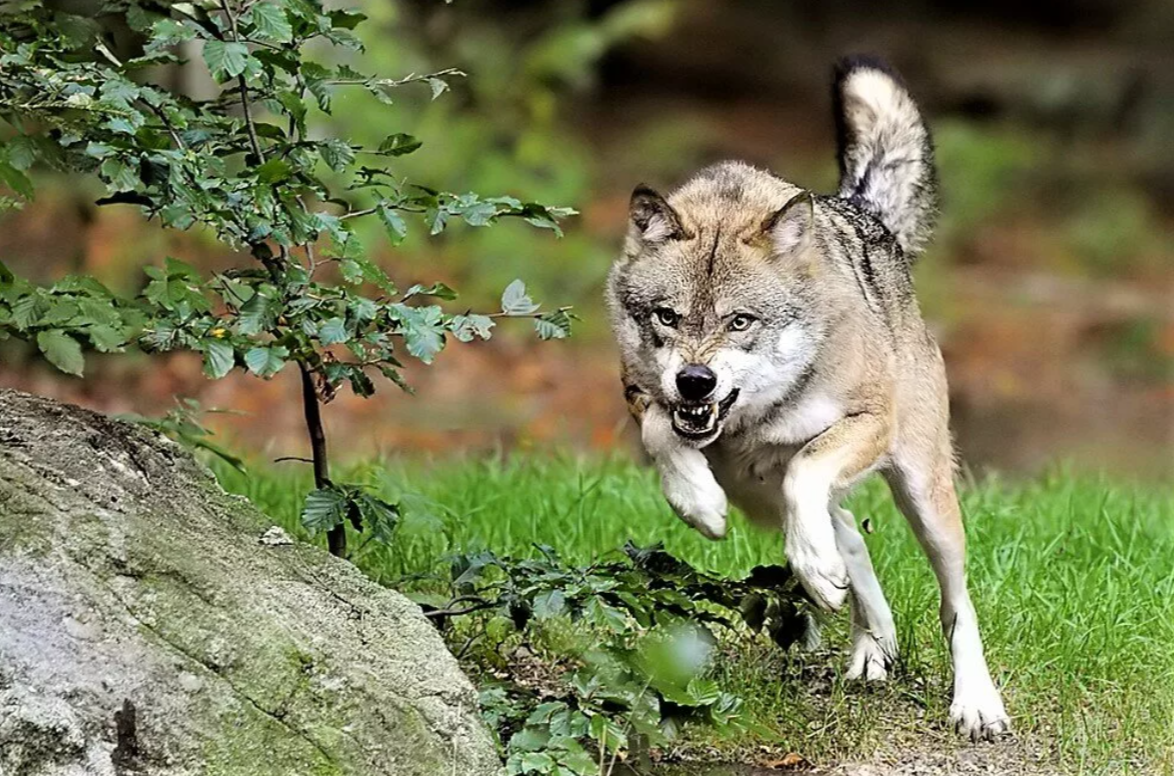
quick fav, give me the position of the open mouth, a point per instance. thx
(698, 421)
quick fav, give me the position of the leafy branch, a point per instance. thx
(648, 620)
(242, 165)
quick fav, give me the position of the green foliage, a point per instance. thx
(244, 167)
(183, 425)
(642, 675)
(328, 507)
(60, 317)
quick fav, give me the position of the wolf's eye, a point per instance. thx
(741, 322)
(666, 317)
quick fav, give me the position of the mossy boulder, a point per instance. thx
(147, 628)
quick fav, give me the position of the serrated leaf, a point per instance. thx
(270, 22)
(466, 327)
(219, 358)
(265, 360)
(399, 144)
(62, 351)
(379, 517)
(333, 332)
(226, 59)
(324, 509)
(29, 309)
(515, 301)
(422, 329)
(106, 338)
(337, 154)
(316, 81)
(553, 325)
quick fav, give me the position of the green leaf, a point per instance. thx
(437, 218)
(466, 327)
(530, 739)
(379, 517)
(324, 509)
(333, 332)
(28, 310)
(122, 176)
(226, 59)
(219, 358)
(537, 762)
(316, 81)
(337, 154)
(16, 180)
(62, 351)
(22, 152)
(168, 32)
(257, 314)
(270, 22)
(396, 228)
(479, 213)
(515, 301)
(438, 290)
(106, 338)
(553, 325)
(549, 604)
(275, 170)
(423, 330)
(399, 144)
(266, 361)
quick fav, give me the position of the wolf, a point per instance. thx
(774, 355)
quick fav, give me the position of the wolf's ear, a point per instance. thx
(653, 218)
(792, 227)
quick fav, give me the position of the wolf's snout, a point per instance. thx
(696, 382)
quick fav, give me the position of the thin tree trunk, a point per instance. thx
(336, 538)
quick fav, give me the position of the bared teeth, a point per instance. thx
(697, 417)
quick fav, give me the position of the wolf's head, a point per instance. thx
(712, 301)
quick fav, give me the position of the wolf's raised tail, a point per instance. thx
(885, 150)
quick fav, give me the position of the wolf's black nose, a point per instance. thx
(696, 382)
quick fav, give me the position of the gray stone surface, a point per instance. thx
(146, 628)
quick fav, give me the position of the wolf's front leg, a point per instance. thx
(822, 470)
(685, 477)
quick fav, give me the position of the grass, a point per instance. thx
(1073, 579)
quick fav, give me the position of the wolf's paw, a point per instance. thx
(871, 658)
(824, 576)
(700, 504)
(979, 715)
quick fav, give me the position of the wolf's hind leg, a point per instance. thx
(685, 477)
(824, 469)
(874, 637)
(927, 497)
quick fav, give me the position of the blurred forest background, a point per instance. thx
(1050, 284)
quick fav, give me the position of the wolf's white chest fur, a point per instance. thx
(751, 465)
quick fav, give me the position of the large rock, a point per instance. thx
(146, 629)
